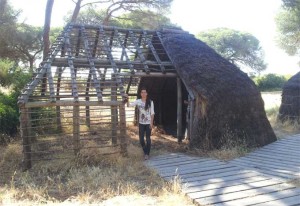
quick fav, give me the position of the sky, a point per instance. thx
(194, 16)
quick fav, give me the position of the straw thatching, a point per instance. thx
(228, 106)
(290, 102)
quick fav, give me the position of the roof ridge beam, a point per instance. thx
(110, 28)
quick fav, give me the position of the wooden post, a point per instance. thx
(87, 114)
(122, 136)
(114, 115)
(191, 120)
(58, 116)
(160, 121)
(179, 110)
(87, 98)
(58, 119)
(25, 134)
(188, 113)
(76, 129)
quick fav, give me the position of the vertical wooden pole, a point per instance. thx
(58, 116)
(179, 110)
(188, 113)
(58, 119)
(76, 129)
(160, 121)
(191, 120)
(25, 134)
(114, 114)
(87, 115)
(122, 136)
(87, 98)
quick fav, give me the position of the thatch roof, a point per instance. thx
(230, 107)
(290, 103)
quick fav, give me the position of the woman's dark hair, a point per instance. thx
(148, 101)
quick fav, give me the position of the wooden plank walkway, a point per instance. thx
(256, 179)
(281, 158)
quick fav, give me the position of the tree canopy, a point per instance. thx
(288, 25)
(19, 42)
(8, 23)
(148, 14)
(111, 9)
(145, 19)
(238, 47)
(27, 44)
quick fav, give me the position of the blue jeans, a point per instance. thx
(145, 128)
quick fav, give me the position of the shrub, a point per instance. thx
(270, 82)
(14, 78)
(9, 122)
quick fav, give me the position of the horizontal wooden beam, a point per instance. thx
(83, 62)
(71, 103)
(112, 28)
(151, 74)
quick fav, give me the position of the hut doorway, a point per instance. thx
(170, 105)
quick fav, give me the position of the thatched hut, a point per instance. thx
(225, 103)
(290, 102)
(76, 101)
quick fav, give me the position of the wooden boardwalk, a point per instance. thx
(281, 158)
(259, 178)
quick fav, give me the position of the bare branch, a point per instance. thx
(96, 2)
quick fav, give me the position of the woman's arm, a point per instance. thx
(126, 100)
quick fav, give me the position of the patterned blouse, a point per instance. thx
(144, 115)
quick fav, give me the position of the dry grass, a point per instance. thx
(228, 152)
(282, 129)
(107, 180)
(90, 179)
(272, 102)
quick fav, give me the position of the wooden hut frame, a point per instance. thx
(77, 96)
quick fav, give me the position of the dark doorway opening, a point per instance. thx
(163, 92)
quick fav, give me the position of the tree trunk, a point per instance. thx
(31, 62)
(47, 24)
(3, 4)
(76, 11)
(46, 39)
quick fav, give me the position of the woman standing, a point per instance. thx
(146, 117)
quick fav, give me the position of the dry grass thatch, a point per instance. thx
(290, 103)
(227, 101)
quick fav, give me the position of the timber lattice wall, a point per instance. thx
(75, 101)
